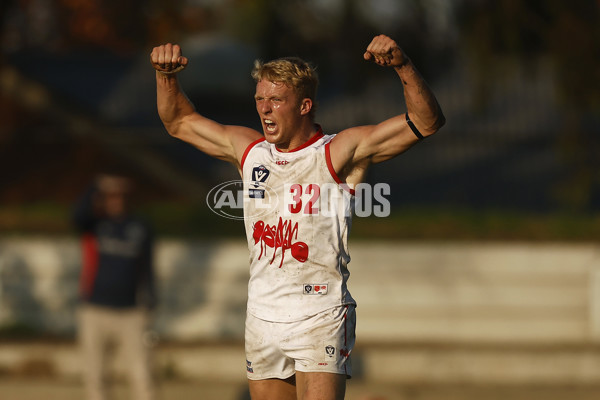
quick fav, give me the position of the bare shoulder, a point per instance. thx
(345, 154)
(346, 143)
(242, 137)
(348, 139)
(377, 143)
(225, 142)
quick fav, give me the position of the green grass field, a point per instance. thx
(186, 219)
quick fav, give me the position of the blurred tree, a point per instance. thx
(567, 35)
(114, 25)
(333, 34)
(174, 20)
(67, 25)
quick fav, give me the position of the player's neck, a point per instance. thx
(304, 134)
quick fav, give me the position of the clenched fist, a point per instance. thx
(167, 58)
(385, 52)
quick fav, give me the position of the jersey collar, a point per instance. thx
(310, 141)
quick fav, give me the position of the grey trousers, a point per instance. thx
(101, 327)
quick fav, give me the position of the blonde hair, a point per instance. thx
(293, 72)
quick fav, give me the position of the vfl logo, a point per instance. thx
(330, 351)
(260, 175)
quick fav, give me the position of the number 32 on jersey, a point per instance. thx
(329, 200)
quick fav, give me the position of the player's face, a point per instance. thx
(279, 111)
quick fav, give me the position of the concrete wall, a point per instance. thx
(478, 292)
(502, 313)
(407, 292)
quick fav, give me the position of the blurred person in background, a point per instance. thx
(300, 316)
(116, 286)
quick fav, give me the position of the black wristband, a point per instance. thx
(414, 128)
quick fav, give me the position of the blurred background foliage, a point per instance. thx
(518, 82)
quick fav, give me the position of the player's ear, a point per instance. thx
(305, 106)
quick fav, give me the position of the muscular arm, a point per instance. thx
(225, 142)
(355, 148)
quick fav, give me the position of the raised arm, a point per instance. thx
(355, 148)
(421, 104)
(225, 142)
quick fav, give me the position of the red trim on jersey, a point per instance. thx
(89, 246)
(310, 141)
(250, 146)
(334, 175)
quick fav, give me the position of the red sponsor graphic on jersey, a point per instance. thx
(280, 236)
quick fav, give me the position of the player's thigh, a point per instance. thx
(320, 385)
(264, 356)
(273, 389)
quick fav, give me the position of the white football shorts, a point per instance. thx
(321, 343)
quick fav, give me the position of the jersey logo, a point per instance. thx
(280, 236)
(315, 288)
(330, 351)
(260, 175)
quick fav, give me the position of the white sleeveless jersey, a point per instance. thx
(297, 216)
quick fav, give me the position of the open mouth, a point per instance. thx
(270, 126)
